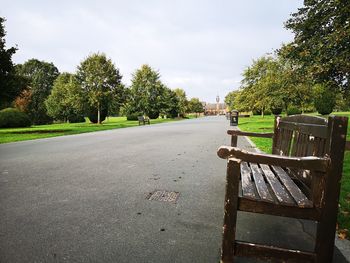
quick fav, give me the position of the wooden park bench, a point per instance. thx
(301, 179)
(143, 120)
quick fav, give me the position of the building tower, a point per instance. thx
(217, 105)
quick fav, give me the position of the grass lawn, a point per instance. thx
(53, 130)
(259, 124)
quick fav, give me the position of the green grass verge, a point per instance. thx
(53, 130)
(259, 124)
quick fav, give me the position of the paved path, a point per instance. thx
(82, 198)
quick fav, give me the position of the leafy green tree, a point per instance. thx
(100, 80)
(321, 41)
(119, 97)
(66, 100)
(39, 76)
(182, 101)
(170, 103)
(146, 92)
(10, 84)
(259, 81)
(324, 99)
(194, 105)
(273, 83)
(231, 100)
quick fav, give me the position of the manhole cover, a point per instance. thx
(163, 196)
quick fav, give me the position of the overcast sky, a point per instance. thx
(199, 46)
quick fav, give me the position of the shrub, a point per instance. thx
(133, 116)
(293, 110)
(325, 100)
(93, 115)
(13, 118)
(76, 118)
(153, 114)
(276, 111)
(267, 112)
(276, 107)
(256, 112)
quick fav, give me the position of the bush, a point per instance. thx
(76, 118)
(93, 115)
(13, 118)
(133, 116)
(293, 110)
(276, 111)
(256, 112)
(153, 115)
(267, 112)
(325, 100)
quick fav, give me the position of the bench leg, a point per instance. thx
(324, 246)
(230, 211)
(234, 139)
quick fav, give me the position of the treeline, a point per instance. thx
(95, 90)
(309, 74)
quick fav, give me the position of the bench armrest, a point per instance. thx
(308, 163)
(252, 134)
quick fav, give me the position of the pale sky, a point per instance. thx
(199, 46)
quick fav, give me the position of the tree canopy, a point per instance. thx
(146, 92)
(66, 101)
(39, 76)
(10, 84)
(100, 81)
(182, 101)
(322, 41)
(194, 105)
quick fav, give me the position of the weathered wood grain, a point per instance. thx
(298, 196)
(278, 189)
(248, 188)
(309, 162)
(260, 185)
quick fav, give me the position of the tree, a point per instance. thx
(146, 92)
(182, 101)
(194, 105)
(22, 102)
(231, 99)
(100, 80)
(324, 99)
(39, 76)
(273, 83)
(66, 101)
(10, 84)
(321, 41)
(170, 103)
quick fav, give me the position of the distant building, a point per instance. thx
(215, 108)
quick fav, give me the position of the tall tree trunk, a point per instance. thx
(98, 114)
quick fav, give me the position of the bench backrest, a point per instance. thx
(141, 118)
(302, 135)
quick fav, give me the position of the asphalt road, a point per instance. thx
(82, 198)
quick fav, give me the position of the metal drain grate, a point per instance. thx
(163, 196)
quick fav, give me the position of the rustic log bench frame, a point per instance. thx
(143, 120)
(300, 143)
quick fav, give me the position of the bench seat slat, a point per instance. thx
(260, 184)
(299, 197)
(278, 189)
(248, 188)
